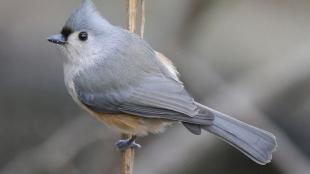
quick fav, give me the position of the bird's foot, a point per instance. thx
(128, 143)
(124, 145)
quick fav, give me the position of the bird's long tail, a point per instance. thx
(255, 143)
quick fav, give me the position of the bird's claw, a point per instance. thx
(125, 144)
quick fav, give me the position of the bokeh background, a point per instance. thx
(249, 59)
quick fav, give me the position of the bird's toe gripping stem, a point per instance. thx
(128, 143)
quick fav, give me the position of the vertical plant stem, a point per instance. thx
(127, 159)
(127, 156)
(132, 15)
(142, 18)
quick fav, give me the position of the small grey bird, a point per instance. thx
(117, 77)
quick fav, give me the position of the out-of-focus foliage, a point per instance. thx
(249, 59)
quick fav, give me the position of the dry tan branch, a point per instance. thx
(127, 157)
(142, 18)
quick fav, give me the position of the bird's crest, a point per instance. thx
(86, 17)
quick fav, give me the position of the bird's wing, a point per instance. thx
(156, 97)
(168, 65)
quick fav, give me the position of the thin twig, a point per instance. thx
(127, 159)
(132, 15)
(142, 18)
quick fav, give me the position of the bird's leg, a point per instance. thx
(128, 143)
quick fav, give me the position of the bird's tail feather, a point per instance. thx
(255, 143)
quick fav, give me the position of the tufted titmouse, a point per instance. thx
(117, 77)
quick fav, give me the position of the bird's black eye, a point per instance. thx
(83, 36)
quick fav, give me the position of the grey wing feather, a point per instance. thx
(157, 97)
(151, 112)
(163, 93)
(193, 128)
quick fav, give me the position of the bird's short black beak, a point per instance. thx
(57, 39)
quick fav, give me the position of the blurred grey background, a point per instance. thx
(249, 59)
